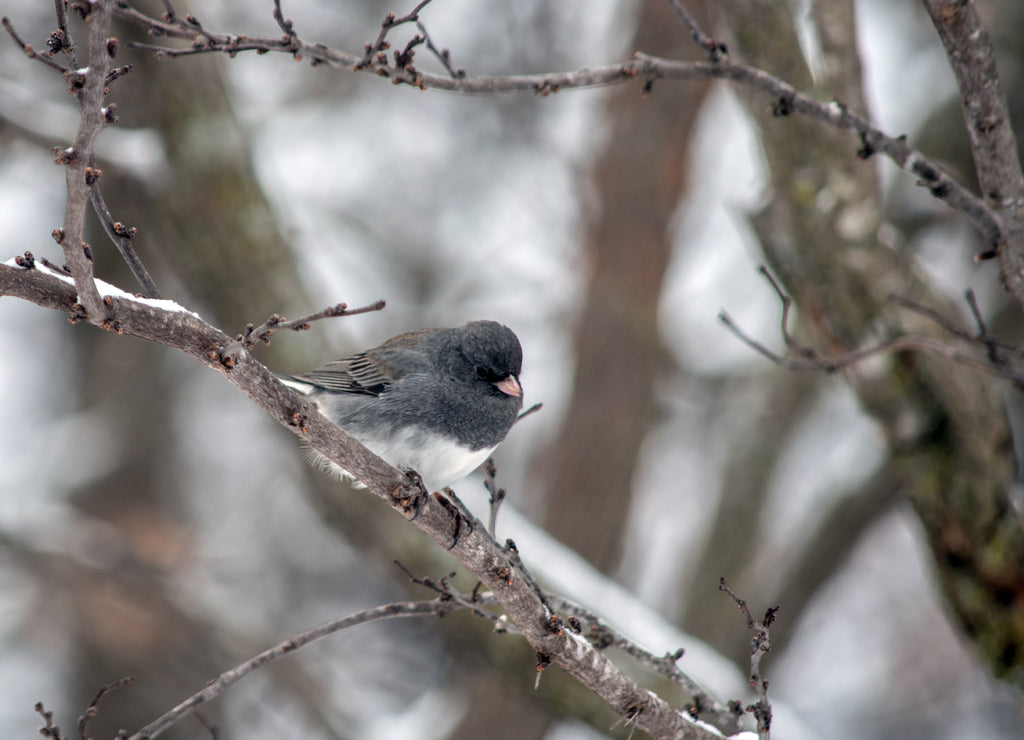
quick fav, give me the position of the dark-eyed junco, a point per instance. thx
(437, 401)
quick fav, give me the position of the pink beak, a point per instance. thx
(510, 386)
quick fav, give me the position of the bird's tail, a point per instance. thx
(296, 383)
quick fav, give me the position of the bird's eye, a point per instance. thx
(481, 371)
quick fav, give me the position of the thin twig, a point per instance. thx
(234, 675)
(995, 348)
(532, 410)
(48, 729)
(704, 707)
(807, 358)
(998, 352)
(67, 43)
(90, 711)
(474, 602)
(787, 305)
(760, 645)
(285, 24)
(30, 52)
(380, 44)
(117, 73)
(413, 15)
(251, 335)
(169, 10)
(122, 236)
(715, 50)
(443, 55)
(932, 315)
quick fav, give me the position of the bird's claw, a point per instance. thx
(409, 498)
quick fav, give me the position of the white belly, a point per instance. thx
(438, 459)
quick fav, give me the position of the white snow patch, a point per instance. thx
(106, 289)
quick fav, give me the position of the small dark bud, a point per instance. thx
(55, 43)
(554, 625)
(782, 108)
(112, 47)
(126, 232)
(83, 8)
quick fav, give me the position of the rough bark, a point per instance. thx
(946, 427)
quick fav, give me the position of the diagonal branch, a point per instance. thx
(987, 116)
(262, 333)
(29, 51)
(230, 677)
(704, 706)
(166, 323)
(122, 236)
(788, 100)
(997, 362)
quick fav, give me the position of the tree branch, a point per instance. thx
(989, 128)
(248, 338)
(166, 323)
(704, 707)
(81, 174)
(230, 677)
(122, 237)
(803, 357)
(760, 645)
(788, 99)
(715, 50)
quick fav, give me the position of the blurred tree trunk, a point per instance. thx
(205, 219)
(777, 400)
(947, 428)
(640, 179)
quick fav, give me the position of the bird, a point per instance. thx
(434, 401)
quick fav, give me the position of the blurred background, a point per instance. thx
(155, 523)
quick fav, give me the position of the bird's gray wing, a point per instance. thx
(371, 372)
